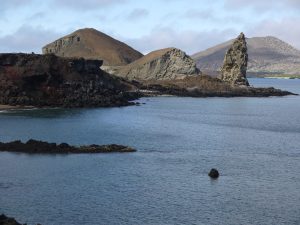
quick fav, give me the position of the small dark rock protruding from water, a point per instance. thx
(214, 173)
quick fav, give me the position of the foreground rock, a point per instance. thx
(214, 173)
(92, 44)
(169, 63)
(34, 146)
(4, 220)
(234, 67)
(48, 80)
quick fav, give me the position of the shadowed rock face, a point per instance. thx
(234, 67)
(169, 63)
(48, 80)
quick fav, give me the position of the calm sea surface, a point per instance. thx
(254, 142)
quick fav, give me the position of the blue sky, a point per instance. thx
(191, 25)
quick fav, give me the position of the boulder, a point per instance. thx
(213, 173)
(234, 67)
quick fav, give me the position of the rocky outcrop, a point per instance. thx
(4, 220)
(169, 63)
(234, 67)
(40, 147)
(48, 80)
(92, 44)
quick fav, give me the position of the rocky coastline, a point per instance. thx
(33, 80)
(4, 220)
(52, 81)
(206, 86)
(42, 147)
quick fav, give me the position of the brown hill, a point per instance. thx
(168, 63)
(93, 44)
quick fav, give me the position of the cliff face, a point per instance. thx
(92, 44)
(170, 63)
(234, 67)
(48, 80)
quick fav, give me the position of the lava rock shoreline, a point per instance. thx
(4, 220)
(205, 86)
(51, 81)
(42, 147)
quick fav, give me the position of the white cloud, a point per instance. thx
(11, 4)
(137, 14)
(286, 29)
(27, 39)
(86, 4)
(263, 5)
(188, 40)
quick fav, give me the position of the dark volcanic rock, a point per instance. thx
(48, 80)
(205, 86)
(4, 220)
(214, 173)
(34, 146)
(234, 67)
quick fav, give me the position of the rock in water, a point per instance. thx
(39, 147)
(214, 173)
(234, 67)
(169, 63)
(4, 220)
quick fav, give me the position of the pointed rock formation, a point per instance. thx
(267, 56)
(234, 67)
(169, 63)
(92, 44)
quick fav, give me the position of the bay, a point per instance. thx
(253, 142)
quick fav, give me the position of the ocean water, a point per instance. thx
(253, 142)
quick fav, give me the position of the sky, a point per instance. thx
(147, 25)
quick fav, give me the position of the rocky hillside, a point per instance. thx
(48, 80)
(169, 63)
(92, 44)
(266, 55)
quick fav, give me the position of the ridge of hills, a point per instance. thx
(267, 55)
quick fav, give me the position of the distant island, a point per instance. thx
(114, 74)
